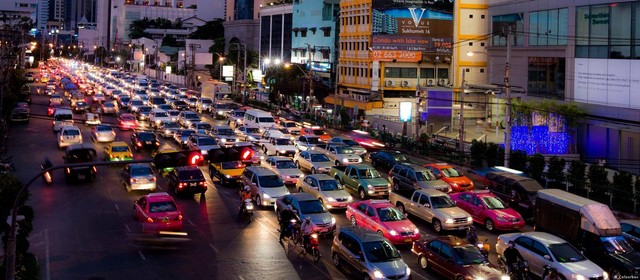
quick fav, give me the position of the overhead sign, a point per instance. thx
(401, 56)
(227, 71)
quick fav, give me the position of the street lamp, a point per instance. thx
(221, 59)
(306, 76)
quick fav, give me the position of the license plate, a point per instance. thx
(148, 142)
(81, 177)
(407, 240)
(342, 205)
(462, 228)
(381, 193)
(193, 184)
(516, 227)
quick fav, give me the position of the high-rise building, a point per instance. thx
(242, 22)
(275, 32)
(42, 16)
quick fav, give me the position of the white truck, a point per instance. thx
(215, 90)
(340, 154)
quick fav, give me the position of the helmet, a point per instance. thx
(289, 207)
(246, 188)
(307, 219)
(471, 229)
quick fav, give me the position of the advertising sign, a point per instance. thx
(227, 71)
(404, 29)
(406, 110)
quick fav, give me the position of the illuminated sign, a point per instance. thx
(321, 66)
(227, 71)
(405, 56)
(167, 69)
(406, 110)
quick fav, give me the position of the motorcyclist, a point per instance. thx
(285, 221)
(245, 193)
(553, 274)
(472, 236)
(306, 229)
(512, 256)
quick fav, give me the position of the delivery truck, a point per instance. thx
(216, 90)
(589, 226)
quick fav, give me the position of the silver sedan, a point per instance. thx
(103, 133)
(315, 162)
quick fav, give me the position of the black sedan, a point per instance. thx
(387, 158)
(180, 105)
(144, 140)
(81, 107)
(187, 179)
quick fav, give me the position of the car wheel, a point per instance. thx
(437, 226)
(400, 207)
(362, 193)
(614, 274)
(313, 171)
(353, 221)
(423, 262)
(489, 225)
(336, 259)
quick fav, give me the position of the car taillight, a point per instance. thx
(149, 220)
(138, 144)
(130, 155)
(179, 218)
(201, 183)
(181, 185)
(153, 179)
(112, 156)
(133, 180)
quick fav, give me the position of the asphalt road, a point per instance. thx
(87, 231)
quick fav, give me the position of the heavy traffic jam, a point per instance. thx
(342, 198)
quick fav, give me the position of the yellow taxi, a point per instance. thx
(228, 172)
(164, 151)
(117, 151)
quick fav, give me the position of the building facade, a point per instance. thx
(581, 52)
(275, 33)
(242, 22)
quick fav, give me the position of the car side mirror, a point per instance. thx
(547, 257)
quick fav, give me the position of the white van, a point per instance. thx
(262, 119)
(61, 117)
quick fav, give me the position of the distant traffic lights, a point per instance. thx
(175, 159)
(230, 154)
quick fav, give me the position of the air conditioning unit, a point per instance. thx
(430, 82)
(406, 83)
(443, 82)
(390, 83)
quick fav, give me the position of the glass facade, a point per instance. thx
(546, 77)
(548, 28)
(599, 36)
(500, 26)
(243, 9)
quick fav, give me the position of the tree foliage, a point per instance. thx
(577, 175)
(518, 160)
(536, 166)
(598, 176)
(137, 27)
(555, 173)
(478, 150)
(211, 30)
(623, 181)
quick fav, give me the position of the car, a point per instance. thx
(227, 171)
(257, 155)
(109, 108)
(187, 179)
(69, 135)
(191, 101)
(265, 185)
(141, 140)
(123, 102)
(202, 142)
(384, 218)
(248, 133)
(52, 108)
(29, 77)
(179, 105)
(313, 161)
(173, 115)
(455, 178)
(98, 98)
(236, 117)
(224, 135)
(80, 107)
(366, 253)
(279, 146)
(157, 116)
(138, 176)
(489, 210)
(631, 232)
(219, 110)
(290, 126)
(308, 142)
(201, 127)
(540, 249)
(359, 150)
(79, 153)
(518, 191)
(317, 131)
(187, 117)
(182, 136)
(284, 167)
(168, 128)
(454, 258)
(117, 151)
(55, 98)
(413, 176)
(326, 189)
(203, 104)
(143, 113)
(20, 115)
(387, 158)
(103, 133)
(127, 121)
(307, 205)
(134, 104)
(157, 212)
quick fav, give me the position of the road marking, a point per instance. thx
(240, 276)
(127, 227)
(190, 222)
(46, 254)
(117, 207)
(159, 187)
(142, 256)
(213, 247)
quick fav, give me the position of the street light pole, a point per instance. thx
(507, 139)
(462, 87)
(310, 78)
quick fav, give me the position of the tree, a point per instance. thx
(536, 167)
(211, 30)
(478, 150)
(137, 28)
(555, 173)
(577, 176)
(518, 160)
(598, 183)
(169, 40)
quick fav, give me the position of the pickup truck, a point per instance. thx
(340, 154)
(361, 178)
(432, 206)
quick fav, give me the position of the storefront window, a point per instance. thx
(546, 77)
(608, 31)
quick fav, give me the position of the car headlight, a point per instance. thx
(349, 198)
(480, 278)
(393, 232)
(469, 219)
(501, 219)
(228, 176)
(223, 140)
(345, 160)
(333, 221)
(261, 157)
(505, 277)
(265, 196)
(605, 275)
(578, 277)
(416, 230)
(369, 187)
(378, 274)
(282, 151)
(448, 221)
(331, 199)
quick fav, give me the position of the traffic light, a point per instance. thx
(175, 159)
(230, 154)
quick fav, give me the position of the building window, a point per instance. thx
(481, 70)
(548, 28)
(546, 77)
(470, 16)
(482, 16)
(604, 31)
(400, 72)
(502, 24)
(470, 43)
(427, 73)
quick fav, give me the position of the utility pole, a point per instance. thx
(310, 77)
(192, 79)
(463, 85)
(244, 76)
(507, 117)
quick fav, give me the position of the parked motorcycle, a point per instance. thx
(247, 209)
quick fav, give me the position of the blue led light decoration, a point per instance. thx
(547, 135)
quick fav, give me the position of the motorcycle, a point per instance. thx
(247, 209)
(484, 247)
(310, 249)
(46, 177)
(520, 269)
(6, 165)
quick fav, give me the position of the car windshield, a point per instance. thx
(191, 174)
(494, 203)
(319, 158)
(329, 185)
(207, 142)
(285, 164)
(350, 142)
(270, 181)
(283, 142)
(160, 114)
(206, 101)
(81, 103)
(146, 137)
(442, 202)
(141, 171)
(468, 255)
(615, 244)
(71, 132)
(222, 106)
(187, 132)
(564, 252)
(346, 150)
(169, 125)
(191, 116)
(311, 207)
(225, 131)
(78, 156)
(380, 251)
(239, 114)
(368, 173)
(314, 140)
(232, 165)
(265, 120)
(450, 172)
(289, 124)
(119, 149)
(390, 214)
(162, 206)
(180, 103)
(318, 132)
(109, 105)
(252, 130)
(424, 176)
(136, 102)
(103, 128)
(203, 126)
(173, 113)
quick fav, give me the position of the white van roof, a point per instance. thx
(60, 111)
(258, 113)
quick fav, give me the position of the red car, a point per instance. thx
(488, 209)
(317, 131)
(157, 212)
(127, 121)
(382, 217)
(455, 178)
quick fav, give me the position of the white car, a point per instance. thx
(248, 133)
(202, 143)
(69, 135)
(341, 154)
(359, 150)
(285, 168)
(225, 135)
(98, 97)
(329, 191)
(309, 142)
(187, 117)
(279, 147)
(315, 162)
(157, 117)
(541, 249)
(103, 133)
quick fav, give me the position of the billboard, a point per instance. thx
(411, 30)
(610, 82)
(227, 71)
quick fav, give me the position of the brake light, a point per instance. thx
(201, 183)
(138, 144)
(130, 155)
(149, 220)
(153, 179)
(112, 156)
(181, 185)
(133, 180)
(179, 218)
